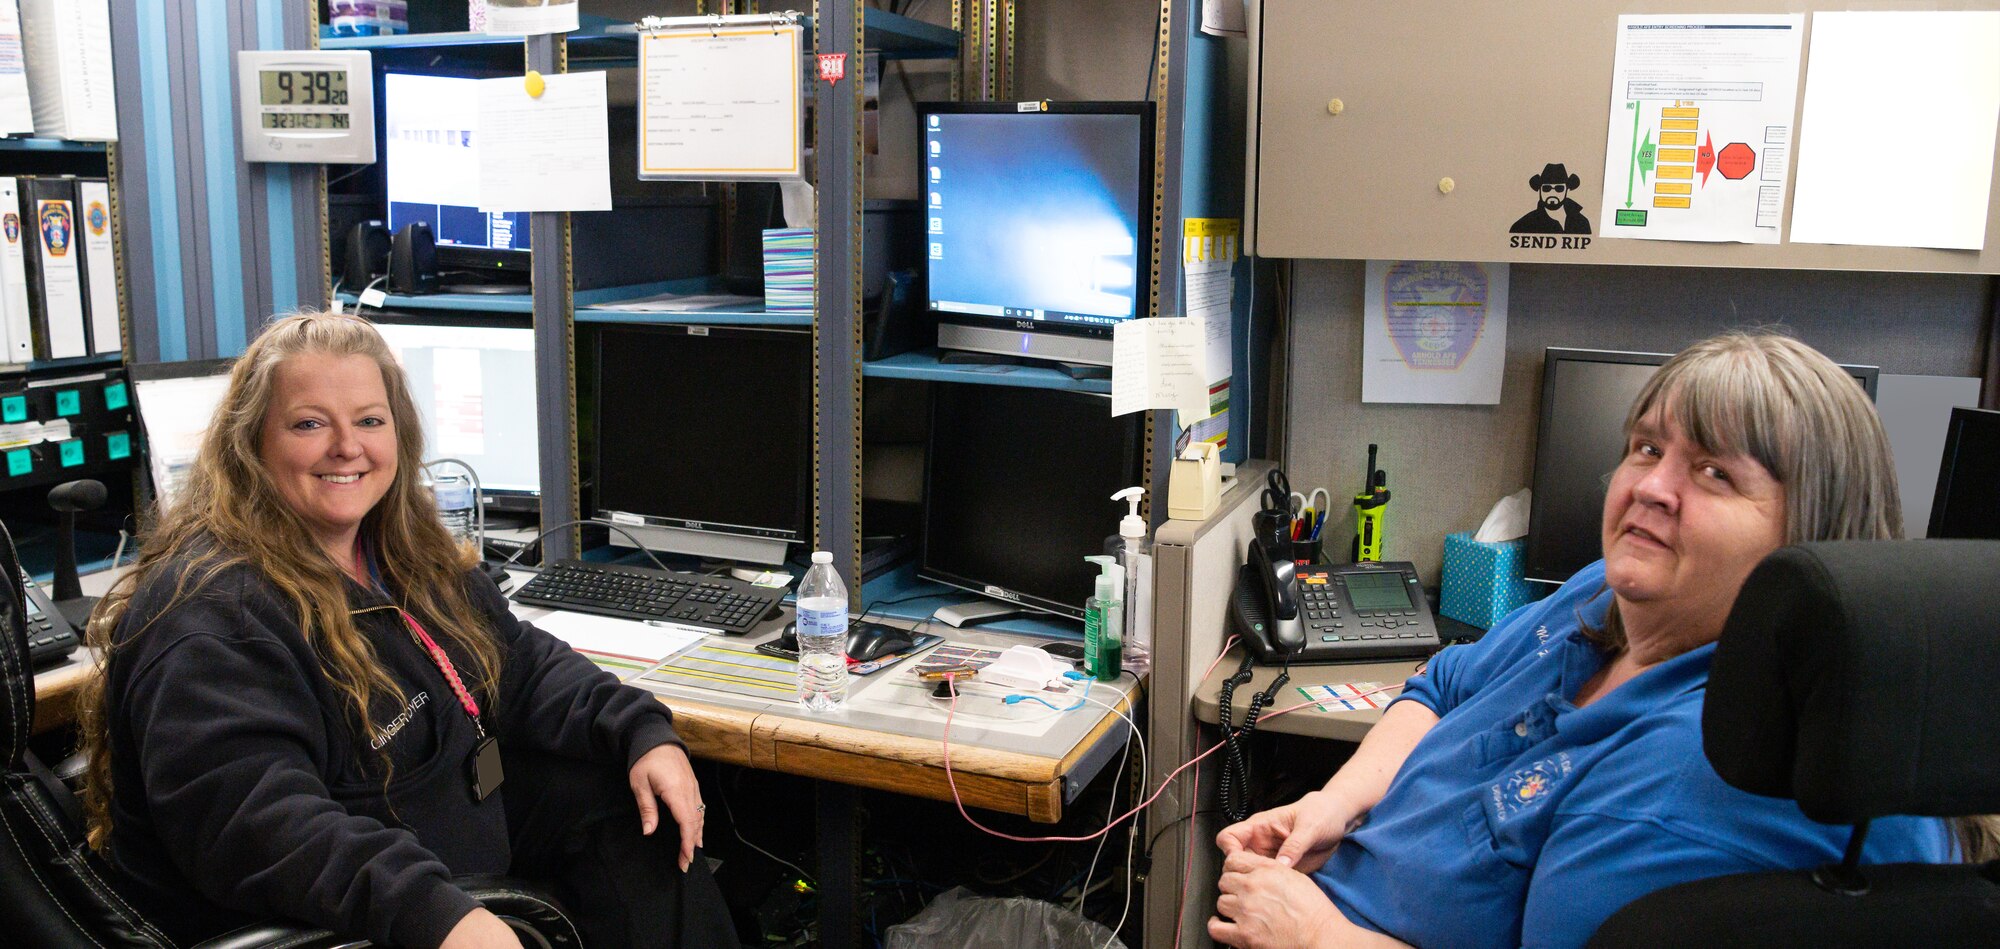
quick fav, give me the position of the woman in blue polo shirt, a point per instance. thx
(1526, 787)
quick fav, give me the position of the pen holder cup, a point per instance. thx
(1308, 552)
(1482, 582)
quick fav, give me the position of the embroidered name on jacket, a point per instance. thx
(396, 724)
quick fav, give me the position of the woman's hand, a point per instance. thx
(1299, 835)
(480, 929)
(664, 773)
(1265, 904)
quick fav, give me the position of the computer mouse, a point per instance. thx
(868, 641)
(789, 639)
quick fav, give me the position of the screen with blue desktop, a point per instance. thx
(1037, 221)
(431, 169)
(474, 387)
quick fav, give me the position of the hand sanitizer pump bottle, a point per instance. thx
(1134, 551)
(1104, 622)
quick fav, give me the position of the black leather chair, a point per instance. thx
(56, 893)
(1858, 678)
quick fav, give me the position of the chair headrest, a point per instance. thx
(17, 674)
(1857, 677)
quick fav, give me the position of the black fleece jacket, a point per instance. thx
(241, 789)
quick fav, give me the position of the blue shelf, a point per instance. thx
(923, 365)
(51, 145)
(900, 594)
(43, 366)
(590, 307)
(603, 42)
(522, 303)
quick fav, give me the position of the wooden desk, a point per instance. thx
(1311, 722)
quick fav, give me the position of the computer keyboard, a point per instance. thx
(643, 593)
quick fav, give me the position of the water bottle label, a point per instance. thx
(822, 622)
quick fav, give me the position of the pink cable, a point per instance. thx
(1187, 865)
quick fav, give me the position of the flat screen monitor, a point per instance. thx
(1967, 504)
(704, 438)
(1017, 491)
(1037, 224)
(176, 402)
(431, 173)
(1586, 394)
(475, 391)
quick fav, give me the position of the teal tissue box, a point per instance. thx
(1482, 582)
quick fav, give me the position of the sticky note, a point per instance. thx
(14, 408)
(72, 453)
(117, 445)
(20, 461)
(115, 397)
(69, 402)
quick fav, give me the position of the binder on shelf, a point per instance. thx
(17, 114)
(67, 44)
(99, 265)
(16, 315)
(55, 281)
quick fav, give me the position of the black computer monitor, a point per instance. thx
(704, 438)
(1017, 491)
(1586, 394)
(1967, 503)
(431, 173)
(474, 386)
(1038, 224)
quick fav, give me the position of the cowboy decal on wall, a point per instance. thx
(1556, 213)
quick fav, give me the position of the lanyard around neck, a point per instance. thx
(431, 648)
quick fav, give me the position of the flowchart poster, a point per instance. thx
(1702, 113)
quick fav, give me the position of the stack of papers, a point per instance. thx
(788, 270)
(624, 647)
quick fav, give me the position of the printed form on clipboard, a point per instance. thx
(721, 98)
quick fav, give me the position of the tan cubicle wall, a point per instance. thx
(1485, 95)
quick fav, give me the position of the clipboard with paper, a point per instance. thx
(721, 98)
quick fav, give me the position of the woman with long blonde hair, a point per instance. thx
(312, 700)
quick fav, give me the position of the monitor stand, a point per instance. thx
(485, 288)
(1075, 370)
(977, 612)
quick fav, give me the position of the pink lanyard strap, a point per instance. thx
(431, 647)
(444, 665)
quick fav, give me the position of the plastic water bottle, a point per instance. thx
(822, 608)
(455, 501)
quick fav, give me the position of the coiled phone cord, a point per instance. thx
(1235, 788)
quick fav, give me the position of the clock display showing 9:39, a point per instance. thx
(304, 87)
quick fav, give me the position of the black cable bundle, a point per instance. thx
(1236, 762)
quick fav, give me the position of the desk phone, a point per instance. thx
(1352, 612)
(50, 637)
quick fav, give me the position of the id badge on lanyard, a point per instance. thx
(482, 766)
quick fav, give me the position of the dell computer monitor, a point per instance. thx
(1017, 491)
(1967, 503)
(704, 438)
(176, 403)
(431, 173)
(474, 387)
(1586, 394)
(1038, 224)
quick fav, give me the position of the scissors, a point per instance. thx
(1278, 496)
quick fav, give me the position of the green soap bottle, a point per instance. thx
(1104, 621)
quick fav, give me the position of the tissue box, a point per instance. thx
(1482, 582)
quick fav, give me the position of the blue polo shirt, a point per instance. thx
(1522, 820)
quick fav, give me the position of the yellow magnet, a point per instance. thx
(535, 84)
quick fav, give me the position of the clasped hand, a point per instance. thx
(1266, 899)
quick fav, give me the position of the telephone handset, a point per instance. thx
(1353, 612)
(1265, 608)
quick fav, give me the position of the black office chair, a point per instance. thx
(1856, 677)
(56, 893)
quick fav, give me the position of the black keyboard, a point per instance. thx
(643, 593)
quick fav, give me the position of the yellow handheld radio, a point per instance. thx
(1369, 508)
